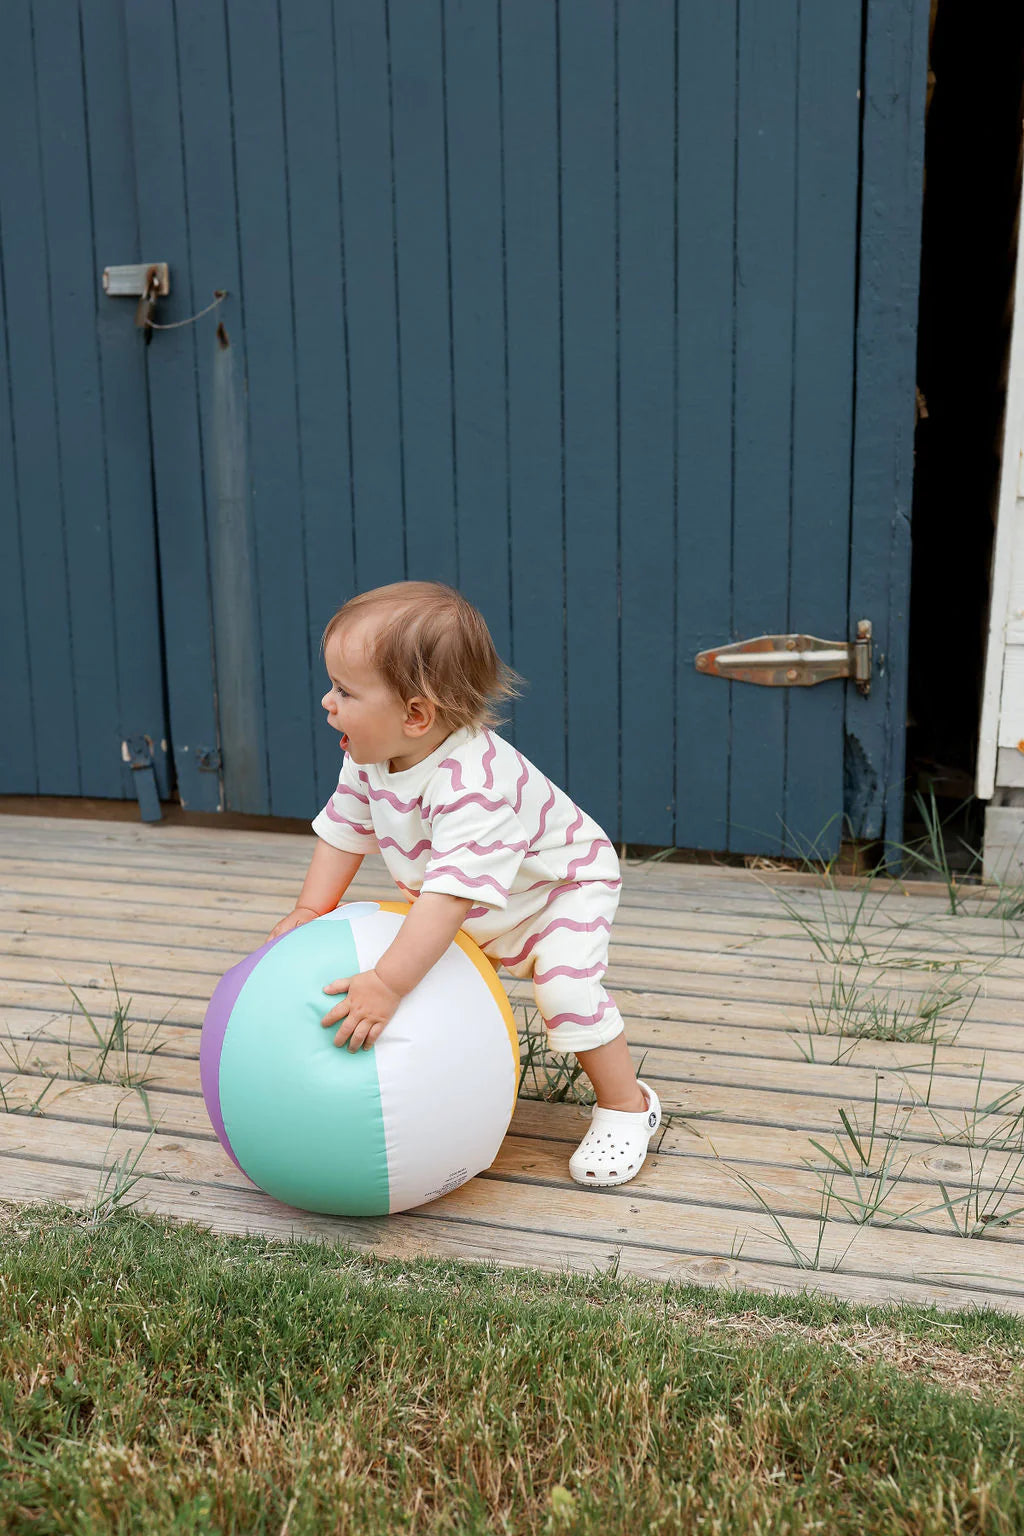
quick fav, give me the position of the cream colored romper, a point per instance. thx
(476, 819)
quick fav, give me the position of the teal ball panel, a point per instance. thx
(303, 1115)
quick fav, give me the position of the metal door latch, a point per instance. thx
(792, 661)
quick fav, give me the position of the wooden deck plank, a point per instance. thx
(692, 1141)
(678, 1066)
(656, 1017)
(979, 1047)
(678, 1232)
(685, 1167)
(672, 1176)
(919, 972)
(925, 1134)
(753, 897)
(762, 1092)
(649, 929)
(745, 893)
(711, 997)
(407, 1237)
(714, 970)
(699, 887)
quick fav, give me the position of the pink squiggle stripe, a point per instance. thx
(540, 977)
(580, 1018)
(451, 869)
(570, 835)
(544, 813)
(586, 858)
(386, 794)
(334, 815)
(556, 891)
(487, 760)
(558, 922)
(346, 789)
(553, 895)
(566, 885)
(443, 853)
(521, 782)
(455, 768)
(470, 799)
(407, 853)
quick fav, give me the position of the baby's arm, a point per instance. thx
(372, 996)
(331, 872)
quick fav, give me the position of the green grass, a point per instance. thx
(157, 1379)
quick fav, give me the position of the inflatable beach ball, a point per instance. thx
(358, 1133)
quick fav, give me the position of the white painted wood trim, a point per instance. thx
(1010, 513)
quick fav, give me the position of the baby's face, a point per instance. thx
(360, 707)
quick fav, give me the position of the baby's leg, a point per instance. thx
(583, 1018)
(569, 956)
(570, 959)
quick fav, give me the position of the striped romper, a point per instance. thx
(476, 820)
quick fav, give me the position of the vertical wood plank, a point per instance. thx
(207, 134)
(826, 249)
(589, 304)
(646, 178)
(19, 773)
(705, 268)
(263, 175)
(30, 344)
(423, 302)
(123, 388)
(80, 447)
(321, 340)
(896, 52)
(473, 130)
(171, 366)
(530, 187)
(765, 300)
(366, 183)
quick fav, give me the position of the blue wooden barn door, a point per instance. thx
(603, 312)
(79, 593)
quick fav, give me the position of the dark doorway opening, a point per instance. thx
(972, 190)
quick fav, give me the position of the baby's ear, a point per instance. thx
(420, 715)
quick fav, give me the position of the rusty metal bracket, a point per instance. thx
(137, 752)
(134, 281)
(792, 661)
(147, 282)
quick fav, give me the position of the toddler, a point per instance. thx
(475, 837)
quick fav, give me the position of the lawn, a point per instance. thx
(157, 1378)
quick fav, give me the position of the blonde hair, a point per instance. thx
(429, 642)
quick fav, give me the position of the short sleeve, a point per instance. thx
(477, 846)
(345, 821)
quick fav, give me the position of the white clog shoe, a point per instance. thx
(614, 1148)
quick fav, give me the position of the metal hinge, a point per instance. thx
(792, 661)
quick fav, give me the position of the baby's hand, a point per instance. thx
(365, 1010)
(295, 919)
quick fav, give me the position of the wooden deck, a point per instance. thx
(714, 970)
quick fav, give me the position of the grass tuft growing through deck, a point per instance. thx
(870, 967)
(156, 1378)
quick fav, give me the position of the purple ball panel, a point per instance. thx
(211, 1042)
